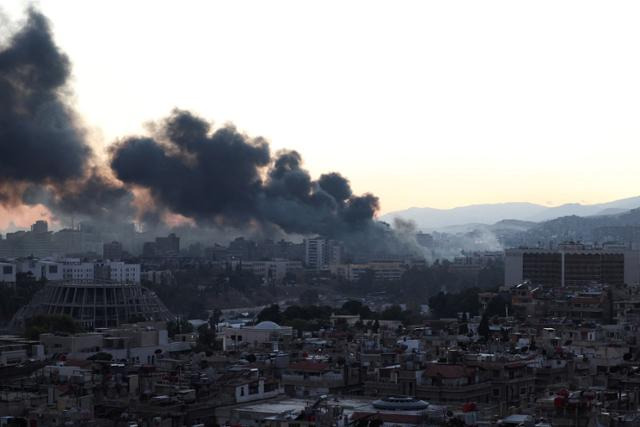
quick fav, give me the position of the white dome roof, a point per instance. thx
(267, 324)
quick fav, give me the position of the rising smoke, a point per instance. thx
(44, 156)
(223, 177)
(214, 177)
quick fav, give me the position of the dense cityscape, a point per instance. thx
(284, 333)
(479, 266)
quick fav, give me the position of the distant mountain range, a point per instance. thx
(464, 217)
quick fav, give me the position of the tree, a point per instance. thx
(180, 326)
(496, 306)
(207, 338)
(351, 307)
(50, 323)
(392, 313)
(450, 304)
(309, 297)
(271, 313)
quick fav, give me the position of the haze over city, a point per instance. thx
(421, 104)
(319, 214)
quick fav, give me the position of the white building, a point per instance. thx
(115, 271)
(7, 273)
(121, 272)
(40, 269)
(274, 270)
(320, 253)
(264, 334)
(73, 270)
(381, 270)
(137, 344)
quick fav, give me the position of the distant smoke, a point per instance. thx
(94, 197)
(39, 139)
(44, 157)
(225, 177)
(186, 168)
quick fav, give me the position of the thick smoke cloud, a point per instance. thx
(210, 177)
(39, 140)
(94, 198)
(44, 157)
(225, 177)
(215, 177)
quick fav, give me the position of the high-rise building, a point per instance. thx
(242, 248)
(40, 226)
(162, 247)
(572, 265)
(168, 246)
(112, 251)
(320, 253)
(36, 242)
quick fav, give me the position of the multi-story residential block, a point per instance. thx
(320, 253)
(380, 270)
(573, 265)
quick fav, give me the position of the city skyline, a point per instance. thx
(441, 129)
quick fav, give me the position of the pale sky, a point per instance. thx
(436, 104)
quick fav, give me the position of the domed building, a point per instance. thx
(400, 403)
(95, 305)
(265, 335)
(268, 325)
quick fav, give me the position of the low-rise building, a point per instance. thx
(263, 335)
(7, 273)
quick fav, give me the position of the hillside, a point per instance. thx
(429, 219)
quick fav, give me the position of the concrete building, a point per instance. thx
(37, 242)
(123, 273)
(168, 246)
(320, 253)
(162, 247)
(40, 226)
(310, 378)
(572, 265)
(15, 350)
(381, 270)
(264, 334)
(40, 269)
(112, 251)
(94, 305)
(7, 273)
(273, 270)
(140, 343)
(75, 270)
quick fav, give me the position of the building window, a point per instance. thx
(7, 269)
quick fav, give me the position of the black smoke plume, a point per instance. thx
(222, 177)
(44, 156)
(39, 139)
(216, 177)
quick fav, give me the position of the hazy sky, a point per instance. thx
(435, 104)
